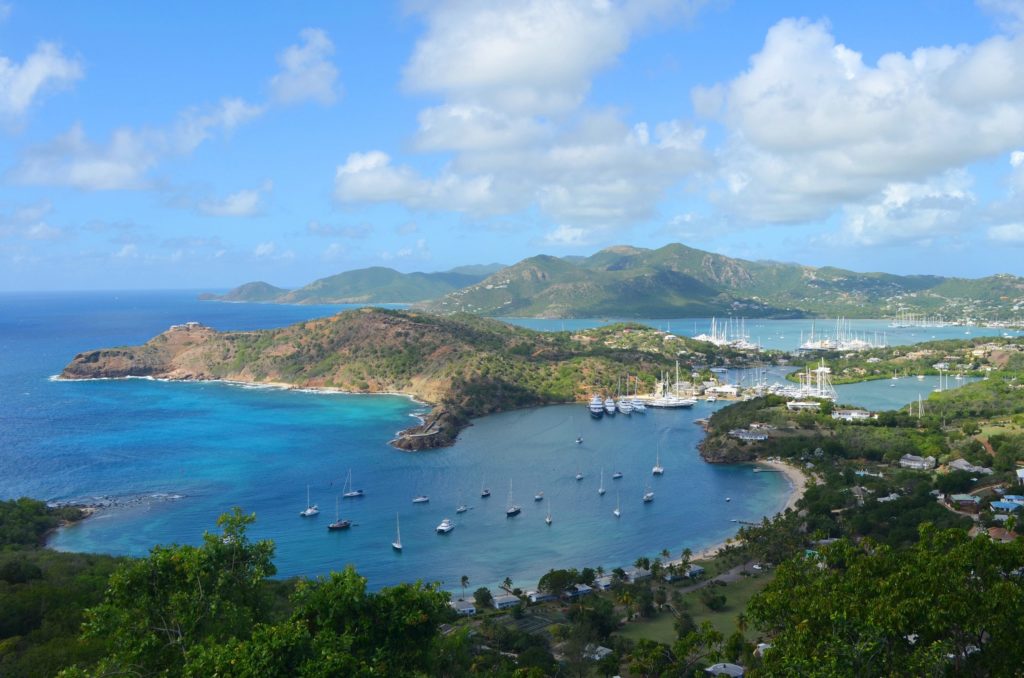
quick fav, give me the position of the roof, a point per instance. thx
(1005, 505)
(725, 668)
(964, 497)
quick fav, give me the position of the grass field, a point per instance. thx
(737, 595)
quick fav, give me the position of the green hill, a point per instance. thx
(249, 292)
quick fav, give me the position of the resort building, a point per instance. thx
(912, 461)
(603, 582)
(964, 465)
(748, 436)
(463, 606)
(851, 415)
(635, 574)
(505, 601)
(578, 590)
(539, 596)
(803, 406)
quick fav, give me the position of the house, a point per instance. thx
(596, 652)
(748, 436)
(462, 606)
(967, 502)
(892, 497)
(505, 601)
(964, 465)
(603, 582)
(1015, 498)
(917, 463)
(1001, 534)
(578, 591)
(1020, 476)
(725, 669)
(803, 405)
(694, 571)
(851, 415)
(635, 574)
(539, 597)
(1005, 506)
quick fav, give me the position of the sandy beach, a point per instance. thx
(798, 485)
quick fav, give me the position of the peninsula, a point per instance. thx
(463, 365)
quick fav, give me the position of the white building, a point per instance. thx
(964, 465)
(917, 463)
(505, 601)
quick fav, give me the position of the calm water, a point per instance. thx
(179, 454)
(785, 335)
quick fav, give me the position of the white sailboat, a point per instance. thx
(600, 489)
(548, 518)
(347, 492)
(311, 509)
(397, 543)
(616, 512)
(513, 509)
(658, 468)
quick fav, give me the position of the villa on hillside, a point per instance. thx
(851, 415)
(912, 461)
(747, 435)
(964, 465)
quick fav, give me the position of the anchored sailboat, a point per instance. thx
(311, 509)
(616, 512)
(347, 491)
(513, 509)
(338, 523)
(658, 468)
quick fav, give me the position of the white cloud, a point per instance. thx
(307, 73)
(566, 235)
(1009, 13)
(5, 10)
(244, 203)
(466, 127)
(910, 212)
(1010, 234)
(265, 249)
(43, 231)
(129, 251)
(122, 163)
(46, 68)
(420, 251)
(813, 127)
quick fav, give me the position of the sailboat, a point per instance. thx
(616, 512)
(600, 489)
(347, 491)
(547, 519)
(461, 508)
(311, 509)
(338, 523)
(513, 509)
(658, 468)
(397, 543)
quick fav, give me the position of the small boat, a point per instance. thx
(920, 377)
(445, 527)
(484, 491)
(658, 468)
(579, 475)
(711, 399)
(420, 499)
(648, 496)
(547, 518)
(311, 509)
(539, 496)
(338, 523)
(397, 543)
(616, 512)
(579, 440)
(512, 509)
(728, 498)
(347, 491)
(461, 508)
(617, 475)
(600, 488)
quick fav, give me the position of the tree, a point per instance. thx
(850, 610)
(483, 598)
(507, 584)
(465, 582)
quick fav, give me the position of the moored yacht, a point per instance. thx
(311, 509)
(596, 407)
(445, 527)
(420, 499)
(609, 405)
(648, 495)
(625, 405)
(617, 475)
(338, 523)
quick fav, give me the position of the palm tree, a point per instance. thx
(465, 583)
(507, 584)
(666, 554)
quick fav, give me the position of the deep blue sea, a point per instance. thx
(175, 455)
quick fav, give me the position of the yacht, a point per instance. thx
(420, 499)
(616, 512)
(579, 440)
(484, 491)
(513, 509)
(461, 508)
(617, 475)
(397, 543)
(311, 509)
(658, 468)
(579, 475)
(347, 491)
(338, 523)
(609, 405)
(446, 526)
(539, 496)
(547, 518)
(596, 407)
(625, 406)
(638, 406)
(648, 495)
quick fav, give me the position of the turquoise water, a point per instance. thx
(784, 335)
(173, 456)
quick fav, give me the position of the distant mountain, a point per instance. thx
(366, 285)
(482, 270)
(251, 292)
(679, 281)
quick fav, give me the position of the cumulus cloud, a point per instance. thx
(307, 73)
(565, 235)
(46, 68)
(469, 127)
(1010, 234)
(124, 161)
(812, 126)
(244, 203)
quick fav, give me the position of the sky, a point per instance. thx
(201, 145)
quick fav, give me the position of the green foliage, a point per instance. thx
(853, 610)
(24, 522)
(483, 598)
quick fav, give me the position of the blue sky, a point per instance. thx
(207, 144)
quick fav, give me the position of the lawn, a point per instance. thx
(737, 595)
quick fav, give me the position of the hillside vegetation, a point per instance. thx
(465, 365)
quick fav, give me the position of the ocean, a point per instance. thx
(171, 457)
